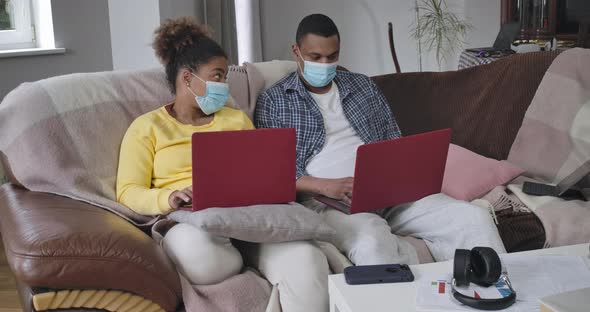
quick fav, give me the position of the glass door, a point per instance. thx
(541, 19)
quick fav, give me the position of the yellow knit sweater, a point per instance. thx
(155, 158)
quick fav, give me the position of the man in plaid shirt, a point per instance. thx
(289, 104)
(334, 112)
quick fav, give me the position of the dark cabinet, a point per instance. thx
(545, 19)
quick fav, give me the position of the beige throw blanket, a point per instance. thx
(553, 141)
(554, 138)
(566, 222)
(62, 135)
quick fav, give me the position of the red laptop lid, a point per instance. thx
(243, 168)
(398, 171)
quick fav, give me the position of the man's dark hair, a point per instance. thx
(317, 24)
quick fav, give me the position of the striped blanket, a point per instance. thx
(62, 135)
(553, 141)
(554, 138)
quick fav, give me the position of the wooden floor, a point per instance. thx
(9, 301)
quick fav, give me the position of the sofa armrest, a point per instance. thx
(60, 243)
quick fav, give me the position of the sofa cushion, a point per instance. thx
(245, 83)
(483, 105)
(59, 243)
(259, 223)
(273, 71)
(469, 176)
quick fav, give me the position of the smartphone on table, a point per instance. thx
(375, 274)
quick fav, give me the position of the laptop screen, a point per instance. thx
(506, 36)
(573, 178)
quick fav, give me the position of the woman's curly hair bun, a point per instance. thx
(175, 36)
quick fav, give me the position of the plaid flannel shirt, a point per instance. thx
(288, 104)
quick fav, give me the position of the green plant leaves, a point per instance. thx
(439, 29)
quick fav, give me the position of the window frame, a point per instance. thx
(23, 34)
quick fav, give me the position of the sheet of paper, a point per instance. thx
(532, 277)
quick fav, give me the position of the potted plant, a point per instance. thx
(438, 29)
(4, 17)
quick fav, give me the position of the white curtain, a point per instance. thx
(249, 39)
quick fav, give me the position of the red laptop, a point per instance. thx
(397, 171)
(243, 168)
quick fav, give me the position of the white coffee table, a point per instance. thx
(402, 296)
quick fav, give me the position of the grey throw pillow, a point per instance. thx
(260, 223)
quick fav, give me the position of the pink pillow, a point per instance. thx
(469, 176)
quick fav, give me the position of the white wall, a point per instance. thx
(85, 27)
(132, 24)
(170, 9)
(98, 35)
(363, 29)
(132, 28)
(82, 27)
(485, 17)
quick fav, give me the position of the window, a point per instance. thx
(16, 27)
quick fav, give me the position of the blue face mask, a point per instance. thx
(318, 74)
(216, 95)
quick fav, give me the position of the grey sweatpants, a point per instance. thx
(444, 224)
(298, 269)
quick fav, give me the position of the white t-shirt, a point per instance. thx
(338, 156)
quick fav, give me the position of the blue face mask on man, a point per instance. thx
(216, 95)
(318, 74)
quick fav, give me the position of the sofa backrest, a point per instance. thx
(483, 105)
(62, 135)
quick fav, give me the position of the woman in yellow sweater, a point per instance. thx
(155, 173)
(155, 170)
